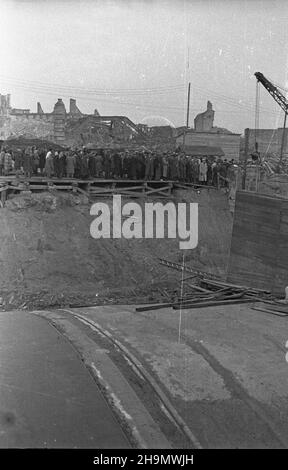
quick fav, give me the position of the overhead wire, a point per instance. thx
(90, 90)
(230, 101)
(115, 96)
(83, 97)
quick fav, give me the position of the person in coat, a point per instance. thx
(203, 171)
(70, 165)
(2, 155)
(28, 162)
(56, 165)
(42, 159)
(62, 164)
(7, 163)
(36, 161)
(49, 166)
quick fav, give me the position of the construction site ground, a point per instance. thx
(48, 257)
(222, 368)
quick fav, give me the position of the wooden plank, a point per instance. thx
(216, 282)
(82, 191)
(183, 185)
(159, 193)
(59, 188)
(128, 188)
(119, 192)
(159, 186)
(18, 188)
(152, 191)
(100, 191)
(153, 307)
(217, 296)
(198, 288)
(108, 190)
(271, 312)
(114, 189)
(213, 303)
(180, 267)
(130, 193)
(37, 186)
(277, 307)
(281, 279)
(254, 246)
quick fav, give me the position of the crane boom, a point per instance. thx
(273, 90)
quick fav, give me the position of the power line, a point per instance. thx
(86, 90)
(225, 99)
(228, 101)
(115, 102)
(159, 91)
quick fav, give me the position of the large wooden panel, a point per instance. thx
(259, 245)
(281, 273)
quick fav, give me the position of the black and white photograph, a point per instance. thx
(143, 229)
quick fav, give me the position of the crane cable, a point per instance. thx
(267, 167)
(257, 114)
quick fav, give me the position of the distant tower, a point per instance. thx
(39, 108)
(74, 110)
(203, 122)
(5, 105)
(59, 121)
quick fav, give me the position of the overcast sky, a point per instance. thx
(136, 58)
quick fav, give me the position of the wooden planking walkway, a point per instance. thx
(97, 187)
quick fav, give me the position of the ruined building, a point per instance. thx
(5, 106)
(72, 128)
(205, 134)
(15, 122)
(203, 122)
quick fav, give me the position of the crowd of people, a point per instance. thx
(114, 164)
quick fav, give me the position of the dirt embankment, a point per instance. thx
(48, 257)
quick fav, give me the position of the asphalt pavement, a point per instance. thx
(48, 399)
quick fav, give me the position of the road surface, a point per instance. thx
(48, 398)
(227, 373)
(109, 376)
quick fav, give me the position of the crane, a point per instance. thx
(278, 97)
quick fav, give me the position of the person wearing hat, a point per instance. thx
(70, 164)
(165, 166)
(2, 155)
(28, 162)
(49, 166)
(7, 163)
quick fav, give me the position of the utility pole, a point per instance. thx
(188, 105)
(283, 138)
(188, 111)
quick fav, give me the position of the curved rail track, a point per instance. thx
(138, 366)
